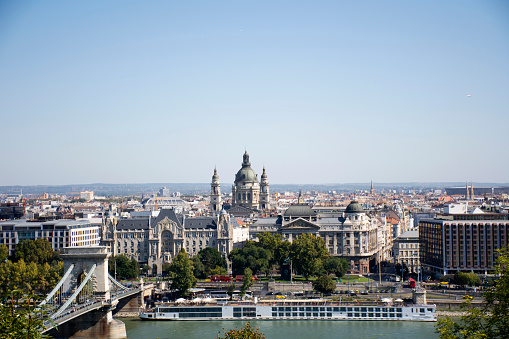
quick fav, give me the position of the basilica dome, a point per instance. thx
(354, 207)
(246, 173)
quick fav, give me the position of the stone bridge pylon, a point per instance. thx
(81, 304)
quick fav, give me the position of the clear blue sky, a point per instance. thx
(317, 91)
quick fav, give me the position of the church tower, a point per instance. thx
(246, 188)
(215, 194)
(264, 192)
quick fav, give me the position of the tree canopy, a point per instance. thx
(324, 284)
(335, 265)
(250, 256)
(490, 321)
(207, 260)
(308, 253)
(181, 270)
(126, 268)
(38, 251)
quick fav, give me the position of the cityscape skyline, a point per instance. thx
(319, 92)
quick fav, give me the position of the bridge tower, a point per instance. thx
(83, 259)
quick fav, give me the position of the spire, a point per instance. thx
(467, 193)
(471, 190)
(300, 201)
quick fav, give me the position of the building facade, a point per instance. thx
(406, 251)
(246, 188)
(360, 239)
(462, 242)
(157, 240)
(59, 233)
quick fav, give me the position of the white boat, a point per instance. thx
(298, 309)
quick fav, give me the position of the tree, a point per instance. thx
(4, 252)
(146, 268)
(125, 268)
(470, 279)
(218, 271)
(489, 321)
(250, 256)
(247, 282)
(19, 318)
(278, 247)
(324, 284)
(38, 251)
(198, 267)
(181, 270)
(247, 332)
(308, 253)
(211, 258)
(337, 266)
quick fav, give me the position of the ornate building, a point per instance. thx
(359, 238)
(157, 240)
(247, 193)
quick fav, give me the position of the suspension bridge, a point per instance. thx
(82, 303)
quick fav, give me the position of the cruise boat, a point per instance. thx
(298, 309)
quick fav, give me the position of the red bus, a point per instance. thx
(411, 282)
(221, 278)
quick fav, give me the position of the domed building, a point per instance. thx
(247, 192)
(354, 235)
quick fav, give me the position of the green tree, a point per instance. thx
(181, 270)
(489, 321)
(125, 268)
(4, 252)
(218, 271)
(470, 279)
(30, 278)
(247, 282)
(247, 332)
(211, 258)
(278, 247)
(38, 251)
(19, 318)
(146, 268)
(199, 269)
(308, 253)
(250, 256)
(324, 284)
(335, 265)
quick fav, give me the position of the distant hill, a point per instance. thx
(204, 188)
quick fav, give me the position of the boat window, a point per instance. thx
(357, 315)
(399, 309)
(430, 310)
(422, 310)
(350, 314)
(377, 315)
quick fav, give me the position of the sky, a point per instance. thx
(316, 91)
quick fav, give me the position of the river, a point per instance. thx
(294, 329)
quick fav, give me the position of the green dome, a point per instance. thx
(354, 207)
(245, 174)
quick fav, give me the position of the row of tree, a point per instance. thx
(307, 255)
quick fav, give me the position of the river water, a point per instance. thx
(293, 329)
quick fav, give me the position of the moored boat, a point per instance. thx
(298, 309)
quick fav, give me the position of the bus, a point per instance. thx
(411, 282)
